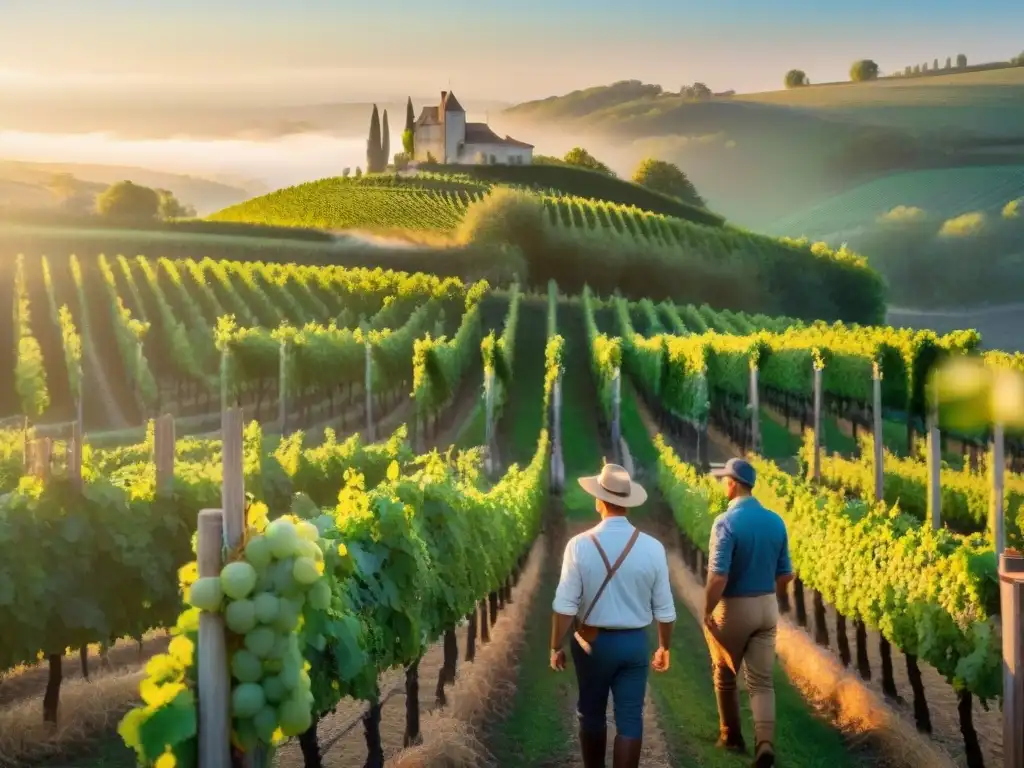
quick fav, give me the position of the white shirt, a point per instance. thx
(637, 594)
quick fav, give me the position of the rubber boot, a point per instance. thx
(593, 747)
(626, 753)
(764, 755)
(730, 736)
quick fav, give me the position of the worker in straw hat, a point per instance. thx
(614, 584)
(748, 566)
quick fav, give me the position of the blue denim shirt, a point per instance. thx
(749, 544)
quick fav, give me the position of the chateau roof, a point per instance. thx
(449, 103)
(481, 133)
(428, 117)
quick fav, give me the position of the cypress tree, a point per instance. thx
(385, 143)
(408, 142)
(373, 147)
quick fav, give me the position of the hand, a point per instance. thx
(558, 660)
(661, 660)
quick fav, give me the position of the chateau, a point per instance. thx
(443, 133)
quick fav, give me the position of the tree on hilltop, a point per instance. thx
(171, 208)
(373, 145)
(949, 62)
(796, 78)
(128, 201)
(667, 178)
(917, 69)
(698, 91)
(385, 142)
(579, 157)
(409, 134)
(961, 61)
(1018, 60)
(863, 70)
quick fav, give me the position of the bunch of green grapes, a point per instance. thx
(262, 596)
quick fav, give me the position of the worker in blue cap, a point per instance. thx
(748, 566)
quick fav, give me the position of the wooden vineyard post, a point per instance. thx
(79, 405)
(233, 503)
(75, 456)
(703, 452)
(557, 464)
(816, 460)
(489, 419)
(879, 441)
(998, 484)
(1011, 595)
(212, 657)
(755, 411)
(163, 453)
(616, 414)
(282, 388)
(934, 462)
(223, 385)
(368, 386)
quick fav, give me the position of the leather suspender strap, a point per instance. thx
(609, 567)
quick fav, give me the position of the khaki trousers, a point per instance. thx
(746, 627)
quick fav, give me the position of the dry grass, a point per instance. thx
(856, 710)
(86, 709)
(484, 692)
(27, 681)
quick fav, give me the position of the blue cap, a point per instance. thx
(739, 470)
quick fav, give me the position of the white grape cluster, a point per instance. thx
(262, 598)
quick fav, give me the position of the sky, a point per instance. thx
(310, 51)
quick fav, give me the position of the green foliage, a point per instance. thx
(171, 208)
(863, 70)
(426, 202)
(668, 179)
(961, 61)
(29, 372)
(965, 494)
(128, 201)
(796, 78)
(385, 141)
(579, 157)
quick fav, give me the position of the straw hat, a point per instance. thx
(614, 486)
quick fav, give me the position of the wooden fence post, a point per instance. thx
(489, 419)
(816, 460)
(879, 446)
(163, 453)
(934, 463)
(212, 655)
(368, 386)
(703, 448)
(1011, 594)
(75, 456)
(233, 481)
(223, 385)
(998, 484)
(755, 411)
(557, 464)
(282, 388)
(616, 413)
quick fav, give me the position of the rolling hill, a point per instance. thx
(760, 157)
(27, 185)
(578, 239)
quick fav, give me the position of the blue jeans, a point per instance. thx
(617, 664)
